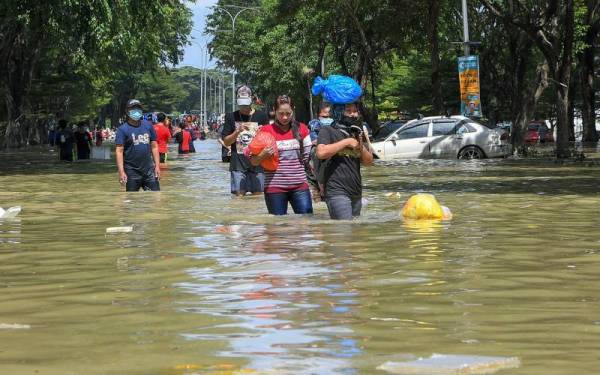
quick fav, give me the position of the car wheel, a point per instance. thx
(471, 152)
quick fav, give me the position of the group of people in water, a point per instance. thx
(322, 162)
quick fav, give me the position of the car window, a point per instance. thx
(443, 127)
(417, 131)
(387, 129)
(465, 128)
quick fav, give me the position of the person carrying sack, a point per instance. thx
(341, 148)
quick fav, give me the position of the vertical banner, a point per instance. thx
(468, 75)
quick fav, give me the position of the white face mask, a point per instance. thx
(326, 121)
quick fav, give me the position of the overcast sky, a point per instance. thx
(193, 53)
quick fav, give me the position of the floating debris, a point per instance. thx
(14, 326)
(393, 195)
(442, 364)
(128, 229)
(10, 213)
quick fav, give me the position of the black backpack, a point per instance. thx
(318, 166)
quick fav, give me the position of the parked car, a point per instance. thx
(443, 137)
(538, 132)
(386, 129)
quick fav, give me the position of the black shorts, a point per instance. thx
(163, 158)
(137, 181)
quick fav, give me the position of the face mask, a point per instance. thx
(135, 114)
(350, 121)
(326, 121)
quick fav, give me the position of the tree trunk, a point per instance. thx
(434, 46)
(571, 108)
(588, 94)
(527, 105)
(562, 117)
(562, 81)
(525, 97)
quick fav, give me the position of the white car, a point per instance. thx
(442, 137)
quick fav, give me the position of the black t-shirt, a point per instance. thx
(342, 173)
(239, 162)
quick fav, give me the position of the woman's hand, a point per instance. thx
(266, 152)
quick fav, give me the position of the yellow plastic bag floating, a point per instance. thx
(425, 206)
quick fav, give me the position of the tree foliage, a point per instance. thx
(89, 53)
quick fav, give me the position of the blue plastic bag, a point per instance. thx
(337, 89)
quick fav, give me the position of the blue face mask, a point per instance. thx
(326, 121)
(135, 114)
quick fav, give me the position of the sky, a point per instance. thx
(193, 53)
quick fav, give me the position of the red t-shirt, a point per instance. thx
(186, 138)
(162, 137)
(290, 174)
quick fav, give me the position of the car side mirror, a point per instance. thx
(394, 137)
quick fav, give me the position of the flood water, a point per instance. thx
(207, 284)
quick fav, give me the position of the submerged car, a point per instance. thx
(443, 137)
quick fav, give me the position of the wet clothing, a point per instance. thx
(193, 137)
(249, 182)
(184, 138)
(277, 203)
(342, 173)
(342, 207)
(137, 181)
(225, 156)
(137, 147)
(162, 137)
(290, 174)
(239, 162)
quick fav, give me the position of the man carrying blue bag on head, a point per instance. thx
(341, 147)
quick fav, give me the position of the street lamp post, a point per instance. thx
(233, 19)
(466, 28)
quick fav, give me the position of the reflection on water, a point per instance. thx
(10, 232)
(212, 285)
(267, 282)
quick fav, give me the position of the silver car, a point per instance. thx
(443, 137)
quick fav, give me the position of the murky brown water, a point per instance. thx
(207, 284)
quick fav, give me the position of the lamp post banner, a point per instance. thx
(468, 75)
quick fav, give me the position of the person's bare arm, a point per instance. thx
(231, 138)
(120, 167)
(328, 151)
(156, 157)
(366, 157)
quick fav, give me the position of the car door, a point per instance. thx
(443, 138)
(408, 142)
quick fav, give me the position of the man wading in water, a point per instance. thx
(137, 151)
(239, 129)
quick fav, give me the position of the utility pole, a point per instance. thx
(233, 19)
(466, 40)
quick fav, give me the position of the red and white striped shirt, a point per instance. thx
(290, 174)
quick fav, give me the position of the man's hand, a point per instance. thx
(157, 172)
(242, 127)
(122, 178)
(352, 144)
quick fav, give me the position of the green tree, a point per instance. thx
(108, 43)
